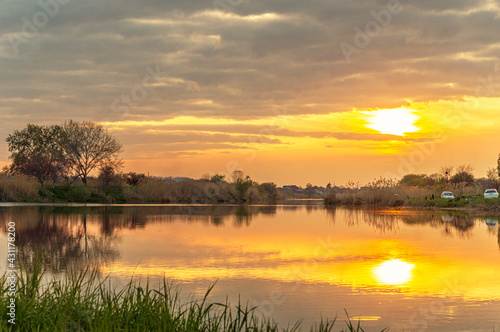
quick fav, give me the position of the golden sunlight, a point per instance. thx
(394, 272)
(397, 121)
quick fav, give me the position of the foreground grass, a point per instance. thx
(85, 302)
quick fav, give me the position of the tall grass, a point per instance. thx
(86, 302)
(198, 191)
(17, 188)
(380, 192)
(388, 193)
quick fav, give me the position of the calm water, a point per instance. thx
(434, 271)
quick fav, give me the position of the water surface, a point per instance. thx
(411, 270)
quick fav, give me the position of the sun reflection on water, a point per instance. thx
(394, 272)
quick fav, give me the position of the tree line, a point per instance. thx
(69, 151)
(460, 175)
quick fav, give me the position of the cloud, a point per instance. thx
(239, 63)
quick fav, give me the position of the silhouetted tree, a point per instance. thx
(310, 189)
(416, 180)
(241, 184)
(447, 171)
(238, 175)
(134, 179)
(107, 176)
(217, 178)
(498, 165)
(270, 191)
(493, 178)
(88, 146)
(37, 151)
(463, 177)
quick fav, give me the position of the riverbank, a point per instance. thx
(84, 302)
(147, 190)
(468, 203)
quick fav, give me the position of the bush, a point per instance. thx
(268, 191)
(332, 199)
(68, 193)
(463, 177)
(133, 179)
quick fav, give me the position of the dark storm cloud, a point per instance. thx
(244, 60)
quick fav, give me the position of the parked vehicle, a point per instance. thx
(491, 222)
(447, 195)
(491, 193)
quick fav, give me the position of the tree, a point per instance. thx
(468, 168)
(238, 175)
(493, 178)
(419, 180)
(310, 190)
(242, 184)
(37, 151)
(463, 177)
(498, 169)
(269, 190)
(88, 146)
(134, 179)
(446, 171)
(107, 176)
(217, 178)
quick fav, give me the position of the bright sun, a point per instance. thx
(397, 121)
(393, 272)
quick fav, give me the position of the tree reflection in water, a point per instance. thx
(68, 237)
(459, 224)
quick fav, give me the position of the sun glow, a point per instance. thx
(396, 121)
(394, 272)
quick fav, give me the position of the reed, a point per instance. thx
(84, 301)
(17, 188)
(387, 193)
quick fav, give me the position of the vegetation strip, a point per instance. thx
(86, 302)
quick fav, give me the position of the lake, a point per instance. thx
(411, 270)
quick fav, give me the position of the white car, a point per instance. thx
(447, 195)
(491, 193)
(491, 222)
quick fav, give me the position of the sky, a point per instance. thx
(286, 91)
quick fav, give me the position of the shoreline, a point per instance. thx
(475, 210)
(468, 209)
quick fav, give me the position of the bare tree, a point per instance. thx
(446, 171)
(491, 174)
(463, 175)
(493, 178)
(498, 170)
(238, 175)
(88, 146)
(465, 168)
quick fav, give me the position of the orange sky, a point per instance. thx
(358, 145)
